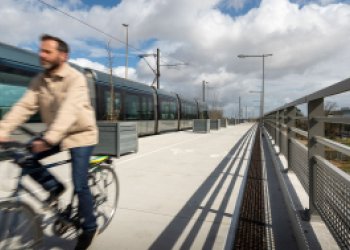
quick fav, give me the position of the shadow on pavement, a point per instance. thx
(215, 181)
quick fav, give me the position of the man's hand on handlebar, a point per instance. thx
(39, 146)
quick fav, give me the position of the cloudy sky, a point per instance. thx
(309, 40)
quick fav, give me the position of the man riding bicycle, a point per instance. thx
(60, 93)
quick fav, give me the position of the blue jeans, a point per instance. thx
(80, 157)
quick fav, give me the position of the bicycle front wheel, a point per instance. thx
(20, 226)
(104, 187)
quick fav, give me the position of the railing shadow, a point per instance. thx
(173, 232)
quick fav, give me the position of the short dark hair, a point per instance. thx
(62, 45)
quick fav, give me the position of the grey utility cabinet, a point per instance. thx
(117, 138)
(215, 124)
(201, 125)
(223, 122)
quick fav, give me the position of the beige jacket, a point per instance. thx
(64, 104)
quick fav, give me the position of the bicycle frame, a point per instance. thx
(103, 183)
(26, 171)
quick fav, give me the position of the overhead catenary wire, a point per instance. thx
(97, 29)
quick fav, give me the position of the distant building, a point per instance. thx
(339, 129)
(345, 128)
(345, 111)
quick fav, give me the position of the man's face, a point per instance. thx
(50, 57)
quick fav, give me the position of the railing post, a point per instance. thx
(316, 128)
(290, 122)
(283, 123)
(276, 127)
(280, 114)
(277, 139)
(272, 121)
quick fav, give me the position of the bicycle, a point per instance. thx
(21, 227)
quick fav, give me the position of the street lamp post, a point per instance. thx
(203, 87)
(263, 82)
(260, 106)
(126, 49)
(239, 110)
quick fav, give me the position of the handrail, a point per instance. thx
(299, 143)
(302, 118)
(334, 145)
(323, 181)
(334, 119)
(299, 131)
(337, 88)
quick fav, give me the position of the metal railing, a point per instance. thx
(301, 139)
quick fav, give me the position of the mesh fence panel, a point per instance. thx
(332, 200)
(299, 163)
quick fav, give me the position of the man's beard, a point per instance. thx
(50, 66)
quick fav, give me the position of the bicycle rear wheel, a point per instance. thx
(20, 226)
(104, 186)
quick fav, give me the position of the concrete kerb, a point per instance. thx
(236, 213)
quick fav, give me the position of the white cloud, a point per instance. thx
(117, 71)
(236, 4)
(310, 45)
(85, 63)
(319, 2)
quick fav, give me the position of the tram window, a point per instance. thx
(193, 112)
(185, 112)
(188, 111)
(164, 110)
(107, 105)
(12, 88)
(18, 71)
(150, 107)
(146, 108)
(172, 110)
(168, 109)
(117, 104)
(10, 94)
(132, 107)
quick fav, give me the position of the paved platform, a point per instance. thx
(178, 192)
(174, 194)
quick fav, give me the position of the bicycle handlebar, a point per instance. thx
(20, 145)
(19, 151)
